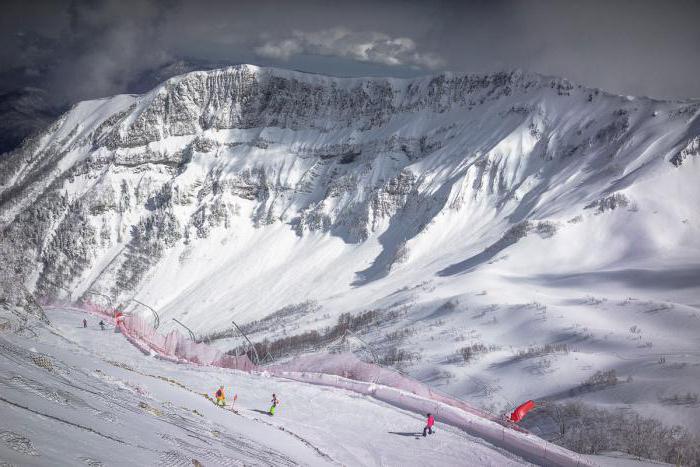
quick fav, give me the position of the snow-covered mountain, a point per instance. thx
(27, 106)
(507, 235)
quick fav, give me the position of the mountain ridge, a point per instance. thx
(196, 102)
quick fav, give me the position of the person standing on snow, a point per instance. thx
(84, 323)
(429, 425)
(274, 401)
(220, 397)
(102, 325)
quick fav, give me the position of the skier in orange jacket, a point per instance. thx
(220, 397)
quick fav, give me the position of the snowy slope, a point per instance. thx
(75, 395)
(511, 211)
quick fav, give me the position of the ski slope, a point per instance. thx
(74, 395)
(552, 227)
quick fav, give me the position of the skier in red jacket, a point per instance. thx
(429, 425)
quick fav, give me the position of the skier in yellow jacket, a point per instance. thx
(220, 397)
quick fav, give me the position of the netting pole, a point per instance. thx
(375, 357)
(188, 330)
(111, 303)
(155, 314)
(255, 351)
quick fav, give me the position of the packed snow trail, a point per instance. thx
(67, 392)
(347, 372)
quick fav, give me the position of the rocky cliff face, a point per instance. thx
(116, 186)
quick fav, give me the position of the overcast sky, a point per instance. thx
(85, 49)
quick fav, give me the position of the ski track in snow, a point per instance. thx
(111, 392)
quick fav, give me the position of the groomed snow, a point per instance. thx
(75, 395)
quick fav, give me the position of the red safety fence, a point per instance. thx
(173, 346)
(348, 372)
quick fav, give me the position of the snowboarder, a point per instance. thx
(102, 325)
(274, 401)
(220, 397)
(429, 425)
(84, 323)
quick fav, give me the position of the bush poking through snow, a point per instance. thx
(690, 399)
(398, 357)
(546, 229)
(540, 351)
(275, 320)
(282, 316)
(602, 378)
(589, 430)
(314, 340)
(470, 352)
(617, 200)
(400, 335)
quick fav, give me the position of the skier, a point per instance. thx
(429, 425)
(220, 397)
(274, 401)
(102, 325)
(84, 323)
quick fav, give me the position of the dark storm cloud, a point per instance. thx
(83, 49)
(639, 47)
(86, 49)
